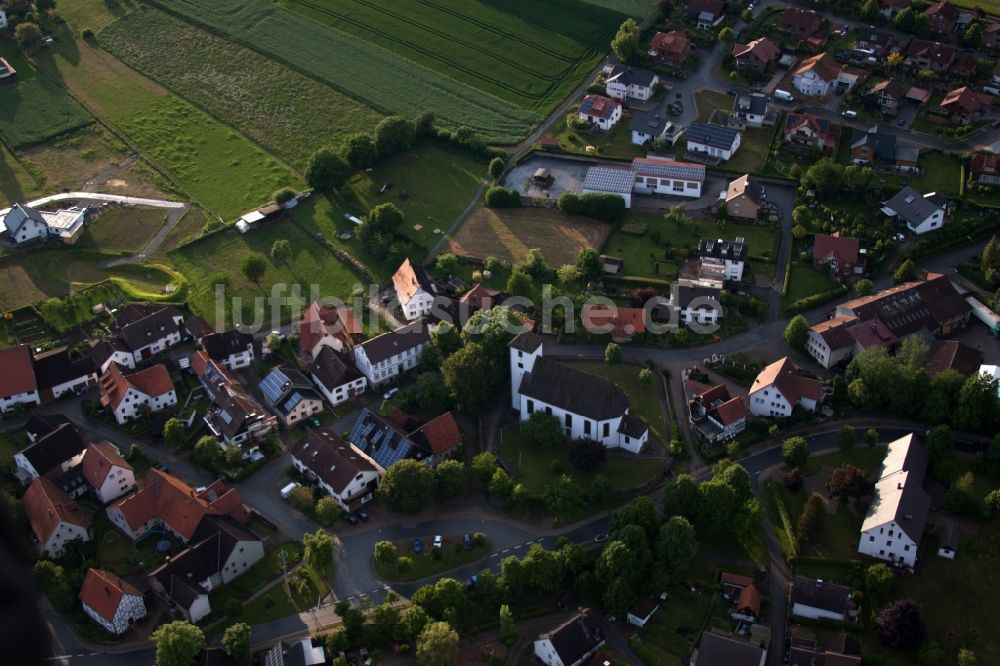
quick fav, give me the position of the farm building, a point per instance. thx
(605, 180)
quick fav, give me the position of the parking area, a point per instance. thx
(567, 176)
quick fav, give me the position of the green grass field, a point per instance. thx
(359, 68)
(16, 182)
(636, 8)
(35, 110)
(529, 53)
(122, 229)
(805, 281)
(424, 564)
(216, 259)
(644, 399)
(942, 174)
(283, 110)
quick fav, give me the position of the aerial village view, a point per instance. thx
(499, 332)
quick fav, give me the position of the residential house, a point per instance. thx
(985, 169)
(820, 600)
(714, 141)
(231, 349)
(841, 650)
(807, 131)
(756, 57)
(752, 109)
(732, 584)
(946, 355)
(221, 550)
(715, 649)
(929, 303)
(821, 75)
(336, 466)
(299, 653)
(164, 502)
(830, 341)
(586, 405)
(886, 97)
(130, 396)
(336, 378)
(878, 42)
(57, 373)
(715, 414)
(963, 67)
(54, 517)
(647, 127)
(670, 48)
(572, 643)
(949, 541)
(780, 387)
(642, 612)
(38, 425)
(414, 289)
(146, 330)
(924, 54)
(942, 17)
(327, 326)
(803, 25)
(743, 198)
(51, 455)
(706, 14)
(197, 327)
(481, 297)
(920, 212)
(746, 606)
(629, 83)
(964, 105)
(878, 148)
(730, 256)
(385, 356)
(622, 323)
(290, 395)
(440, 436)
(694, 305)
(110, 350)
(600, 111)
(606, 180)
(385, 440)
(898, 513)
(18, 386)
(889, 8)
(656, 175)
(7, 75)
(106, 471)
(235, 418)
(21, 224)
(842, 255)
(111, 602)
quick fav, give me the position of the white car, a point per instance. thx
(438, 541)
(388, 394)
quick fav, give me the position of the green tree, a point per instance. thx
(977, 404)
(795, 451)
(394, 134)
(450, 478)
(508, 632)
(864, 287)
(717, 506)
(878, 581)
(407, 486)
(384, 620)
(174, 434)
(681, 498)
(870, 11)
(207, 452)
(939, 443)
(639, 511)
(54, 584)
(590, 265)
(568, 275)
(501, 485)
(177, 643)
(901, 624)
(812, 520)
(327, 511)
(467, 374)
(281, 251)
(613, 354)
(676, 546)
(625, 44)
(446, 338)
(484, 465)
(411, 623)
(318, 553)
(236, 643)
(360, 151)
(283, 196)
(496, 168)
(404, 564)
(562, 497)
(906, 271)
(871, 437)
(989, 262)
(846, 439)
(645, 376)
(973, 38)
(233, 456)
(519, 283)
(799, 232)
(301, 498)
(797, 332)
(541, 429)
(437, 645)
(385, 552)
(27, 35)
(327, 171)
(727, 35)
(991, 504)
(254, 266)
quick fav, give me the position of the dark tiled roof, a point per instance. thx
(55, 448)
(723, 249)
(633, 426)
(574, 390)
(331, 370)
(715, 136)
(577, 637)
(332, 459)
(716, 650)
(56, 367)
(220, 346)
(952, 355)
(821, 594)
(39, 425)
(385, 346)
(527, 342)
(141, 325)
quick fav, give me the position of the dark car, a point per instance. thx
(418, 546)
(467, 541)
(351, 518)
(363, 515)
(601, 537)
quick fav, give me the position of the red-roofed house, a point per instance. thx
(17, 381)
(803, 25)
(964, 105)
(923, 54)
(622, 323)
(830, 341)
(441, 435)
(986, 169)
(54, 517)
(164, 501)
(671, 48)
(808, 131)
(480, 297)
(842, 254)
(599, 110)
(942, 17)
(414, 289)
(127, 396)
(746, 607)
(780, 387)
(111, 602)
(716, 415)
(327, 326)
(952, 355)
(106, 471)
(758, 56)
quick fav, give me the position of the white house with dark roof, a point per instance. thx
(336, 378)
(586, 405)
(714, 141)
(147, 330)
(414, 289)
(821, 600)
(58, 373)
(608, 180)
(752, 109)
(730, 256)
(233, 349)
(630, 83)
(898, 513)
(689, 304)
(656, 175)
(647, 127)
(22, 224)
(340, 469)
(386, 356)
(572, 643)
(51, 454)
(920, 212)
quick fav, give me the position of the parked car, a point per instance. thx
(350, 517)
(363, 515)
(467, 541)
(418, 546)
(471, 583)
(600, 537)
(438, 541)
(390, 393)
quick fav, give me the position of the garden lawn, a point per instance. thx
(384, 79)
(529, 53)
(125, 229)
(282, 601)
(643, 399)
(259, 574)
(278, 107)
(217, 259)
(942, 174)
(432, 184)
(424, 564)
(754, 149)
(863, 456)
(16, 182)
(806, 281)
(840, 532)
(34, 110)
(615, 143)
(683, 614)
(707, 101)
(189, 228)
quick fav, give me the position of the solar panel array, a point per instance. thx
(274, 385)
(683, 170)
(609, 180)
(376, 438)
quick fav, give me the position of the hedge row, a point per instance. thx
(786, 521)
(603, 207)
(810, 302)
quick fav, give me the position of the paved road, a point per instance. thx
(97, 197)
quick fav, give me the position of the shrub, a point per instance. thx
(501, 197)
(604, 207)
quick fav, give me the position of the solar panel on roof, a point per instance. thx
(289, 404)
(274, 385)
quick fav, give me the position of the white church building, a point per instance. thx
(585, 404)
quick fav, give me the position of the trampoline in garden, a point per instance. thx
(162, 547)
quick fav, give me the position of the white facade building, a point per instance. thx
(111, 602)
(714, 141)
(336, 466)
(570, 644)
(655, 175)
(414, 289)
(388, 355)
(779, 388)
(336, 380)
(107, 473)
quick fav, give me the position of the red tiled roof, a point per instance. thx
(18, 374)
(823, 64)
(835, 331)
(441, 433)
(670, 42)
(784, 375)
(842, 248)
(944, 9)
(599, 106)
(801, 20)
(480, 297)
(873, 333)
(986, 163)
(952, 355)
(408, 279)
(750, 597)
(966, 99)
(624, 322)
(763, 49)
(98, 460)
(320, 320)
(735, 580)
(47, 506)
(934, 51)
(152, 381)
(102, 591)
